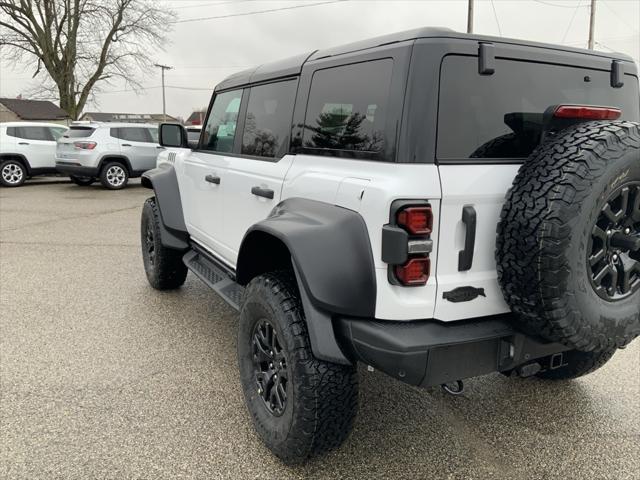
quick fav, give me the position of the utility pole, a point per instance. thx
(470, 17)
(164, 104)
(592, 23)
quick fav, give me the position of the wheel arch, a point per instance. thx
(19, 157)
(328, 249)
(164, 182)
(115, 158)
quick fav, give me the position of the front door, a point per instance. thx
(203, 178)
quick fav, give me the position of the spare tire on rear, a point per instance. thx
(568, 241)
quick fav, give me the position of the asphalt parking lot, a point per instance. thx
(103, 377)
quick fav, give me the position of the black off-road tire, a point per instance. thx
(82, 181)
(545, 231)
(114, 175)
(578, 364)
(12, 173)
(321, 397)
(164, 266)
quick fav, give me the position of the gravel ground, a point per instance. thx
(103, 377)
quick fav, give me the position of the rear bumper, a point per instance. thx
(72, 168)
(428, 352)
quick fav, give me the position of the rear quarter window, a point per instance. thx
(500, 115)
(79, 132)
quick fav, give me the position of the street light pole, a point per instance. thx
(164, 104)
(592, 23)
(470, 17)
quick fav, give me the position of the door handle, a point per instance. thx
(212, 179)
(23, 143)
(126, 144)
(262, 192)
(160, 146)
(465, 257)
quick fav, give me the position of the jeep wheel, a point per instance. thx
(577, 363)
(300, 406)
(114, 176)
(163, 266)
(12, 173)
(82, 181)
(568, 247)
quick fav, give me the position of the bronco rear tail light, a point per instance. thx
(414, 272)
(85, 145)
(586, 112)
(416, 220)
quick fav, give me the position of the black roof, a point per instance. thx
(34, 109)
(293, 65)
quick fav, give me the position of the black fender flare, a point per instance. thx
(164, 182)
(331, 255)
(17, 156)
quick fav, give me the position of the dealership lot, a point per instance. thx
(103, 377)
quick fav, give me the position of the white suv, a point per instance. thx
(112, 152)
(27, 149)
(433, 204)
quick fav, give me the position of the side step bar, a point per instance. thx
(214, 275)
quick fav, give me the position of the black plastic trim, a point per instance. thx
(163, 181)
(486, 59)
(617, 74)
(78, 170)
(465, 257)
(330, 248)
(429, 352)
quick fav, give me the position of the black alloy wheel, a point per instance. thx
(270, 367)
(614, 247)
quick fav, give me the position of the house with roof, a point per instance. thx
(196, 117)
(21, 110)
(127, 117)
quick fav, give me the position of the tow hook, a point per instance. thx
(455, 391)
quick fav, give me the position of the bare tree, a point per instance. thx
(83, 44)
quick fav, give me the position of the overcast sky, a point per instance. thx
(204, 52)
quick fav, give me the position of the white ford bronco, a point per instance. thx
(432, 204)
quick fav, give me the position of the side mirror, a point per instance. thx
(173, 135)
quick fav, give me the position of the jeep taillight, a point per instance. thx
(416, 220)
(85, 145)
(587, 112)
(414, 272)
(406, 242)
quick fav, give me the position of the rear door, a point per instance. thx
(252, 181)
(139, 147)
(487, 126)
(37, 144)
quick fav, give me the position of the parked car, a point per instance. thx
(111, 152)
(193, 133)
(347, 202)
(27, 149)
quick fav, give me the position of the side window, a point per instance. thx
(153, 132)
(57, 132)
(220, 130)
(135, 134)
(12, 131)
(268, 123)
(347, 108)
(114, 132)
(35, 133)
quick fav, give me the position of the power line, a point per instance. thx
(259, 11)
(619, 17)
(555, 4)
(571, 21)
(495, 14)
(211, 4)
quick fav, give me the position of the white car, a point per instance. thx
(27, 149)
(111, 152)
(433, 204)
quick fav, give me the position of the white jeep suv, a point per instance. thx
(111, 152)
(433, 204)
(27, 149)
